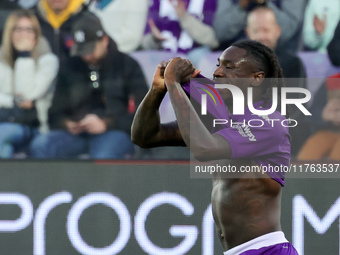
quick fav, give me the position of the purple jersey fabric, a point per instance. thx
(268, 145)
(165, 18)
(277, 249)
(273, 243)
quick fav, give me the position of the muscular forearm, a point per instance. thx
(146, 123)
(196, 136)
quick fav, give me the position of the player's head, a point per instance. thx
(263, 27)
(250, 64)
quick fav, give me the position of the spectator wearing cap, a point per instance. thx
(90, 112)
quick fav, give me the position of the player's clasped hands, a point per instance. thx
(176, 70)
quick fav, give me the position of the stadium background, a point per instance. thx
(88, 207)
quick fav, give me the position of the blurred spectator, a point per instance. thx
(182, 26)
(325, 109)
(27, 70)
(90, 111)
(123, 20)
(6, 8)
(231, 20)
(321, 19)
(325, 143)
(333, 48)
(56, 18)
(263, 27)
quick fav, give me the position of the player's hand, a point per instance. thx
(93, 124)
(73, 127)
(158, 77)
(320, 24)
(179, 70)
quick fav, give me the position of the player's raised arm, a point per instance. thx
(202, 144)
(147, 130)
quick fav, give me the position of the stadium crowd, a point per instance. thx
(73, 72)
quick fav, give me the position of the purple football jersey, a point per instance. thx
(165, 18)
(267, 144)
(274, 243)
(277, 249)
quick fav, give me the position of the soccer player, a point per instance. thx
(246, 208)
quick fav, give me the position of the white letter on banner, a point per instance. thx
(302, 209)
(190, 233)
(26, 212)
(208, 230)
(92, 199)
(40, 218)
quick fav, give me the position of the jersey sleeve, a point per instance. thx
(253, 142)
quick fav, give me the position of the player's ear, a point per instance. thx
(258, 78)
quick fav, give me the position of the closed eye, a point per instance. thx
(228, 67)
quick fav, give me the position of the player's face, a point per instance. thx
(234, 68)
